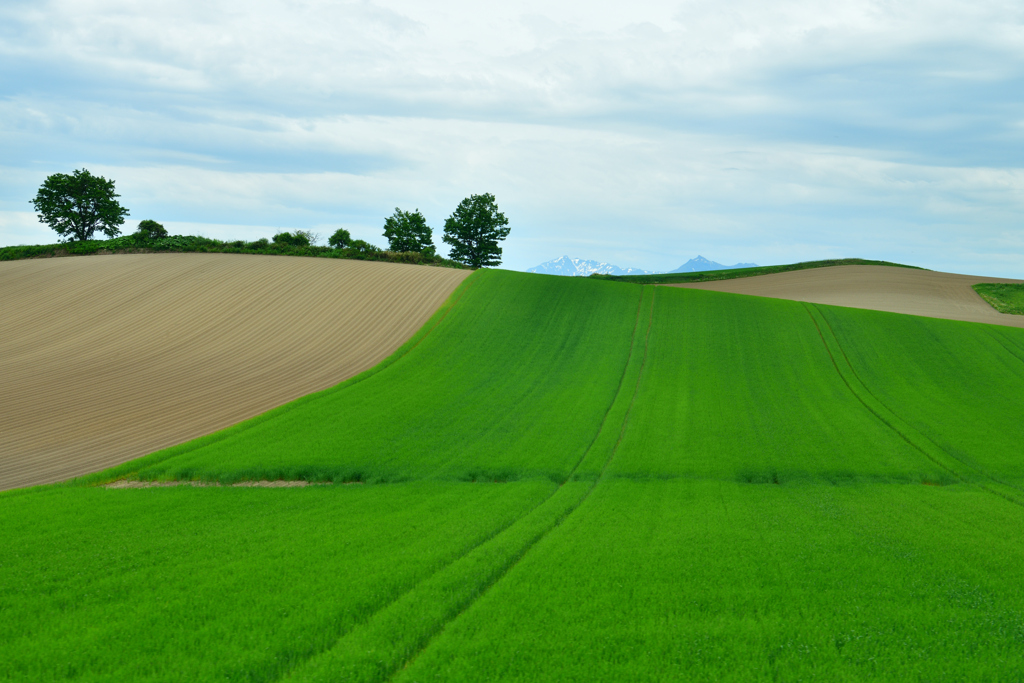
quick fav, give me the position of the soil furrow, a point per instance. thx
(107, 358)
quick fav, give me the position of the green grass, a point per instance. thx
(1005, 298)
(743, 389)
(499, 391)
(201, 584)
(567, 479)
(721, 581)
(957, 385)
(733, 273)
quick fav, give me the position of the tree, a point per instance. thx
(299, 239)
(311, 237)
(473, 231)
(340, 239)
(151, 230)
(408, 231)
(77, 205)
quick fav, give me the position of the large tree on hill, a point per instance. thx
(474, 229)
(76, 205)
(408, 231)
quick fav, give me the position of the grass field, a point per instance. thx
(1005, 298)
(567, 479)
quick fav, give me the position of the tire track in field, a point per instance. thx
(107, 358)
(1011, 345)
(518, 557)
(920, 442)
(497, 532)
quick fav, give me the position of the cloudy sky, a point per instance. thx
(641, 133)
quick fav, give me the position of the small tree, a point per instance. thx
(340, 239)
(299, 239)
(311, 237)
(76, 205)
(408, 231)
(151, 230)
(473, 231)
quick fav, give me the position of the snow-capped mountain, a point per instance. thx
(578, 267)
(700, 263)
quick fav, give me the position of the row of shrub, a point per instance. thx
(284, 244)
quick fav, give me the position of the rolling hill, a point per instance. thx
(880, 288)
(106, 358)
(566, 478)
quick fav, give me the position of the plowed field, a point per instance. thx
(879, 288)
(106, 358)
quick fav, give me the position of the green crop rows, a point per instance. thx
(566, 479)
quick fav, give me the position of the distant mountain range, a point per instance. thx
(696, 265)
(576, 267)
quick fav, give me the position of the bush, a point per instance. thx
(364, 247)
(150, 230)
(357, 249)
(311, 237)
(299, 239)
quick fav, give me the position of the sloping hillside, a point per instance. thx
(567, 479)
(106, 358)
(879, 288)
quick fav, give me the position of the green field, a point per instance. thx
(566, 479)
(1005, 298)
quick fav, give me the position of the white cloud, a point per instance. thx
(23, 227)
(636, 133)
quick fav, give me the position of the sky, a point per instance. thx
(640, 134)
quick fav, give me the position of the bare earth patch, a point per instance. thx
(879, 288)
(107, 358)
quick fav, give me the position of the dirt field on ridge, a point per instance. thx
(880, 288)
(107, 358)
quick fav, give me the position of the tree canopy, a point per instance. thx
(340, 239)
(299, 239)
(408, 231)
(474, 229)
(151, 230)
(77, 205)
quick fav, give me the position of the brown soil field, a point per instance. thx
(107, 358)
(880, 288)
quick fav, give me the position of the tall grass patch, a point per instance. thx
(957, 383)
(743, 389)
(210, 583)
(1004, 297)
(717, 580)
